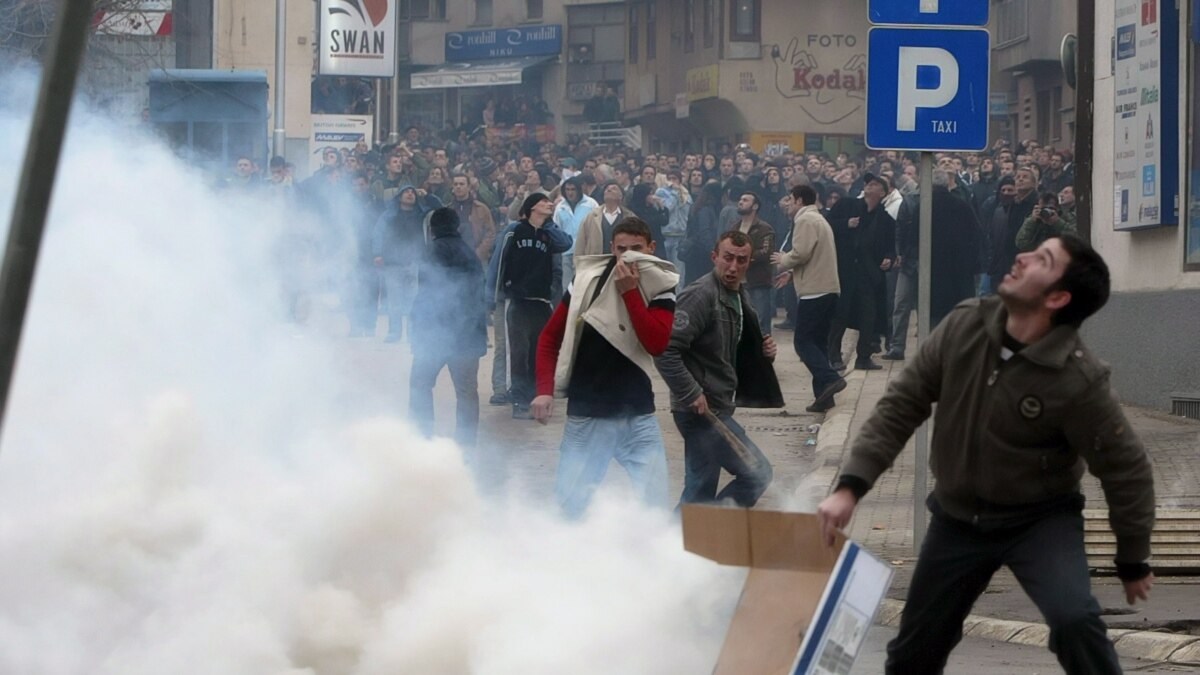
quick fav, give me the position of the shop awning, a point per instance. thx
(488, 73)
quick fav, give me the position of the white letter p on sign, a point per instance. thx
(909, 97)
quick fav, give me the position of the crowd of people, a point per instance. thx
(600, 269)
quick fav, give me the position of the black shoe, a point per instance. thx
(826, 395)
(824, 407)
(867, 364)
(837, 365)
(893, 355)
(522, 412)
(785, 325)
(498, 399)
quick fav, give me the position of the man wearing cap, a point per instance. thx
(865, 236)
(522, 272)
(449, 326)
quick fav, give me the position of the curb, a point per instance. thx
(1133, 644)
(831, 440)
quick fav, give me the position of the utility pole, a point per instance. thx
(279, 139)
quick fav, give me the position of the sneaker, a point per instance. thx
(826, 396)
(498, 399)
(867, 364)
(893, 355)
(522, 412)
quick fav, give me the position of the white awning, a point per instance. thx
(487, 73)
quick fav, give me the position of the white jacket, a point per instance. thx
(608, 315)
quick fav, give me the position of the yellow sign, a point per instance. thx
(773, 143)
(702, 82)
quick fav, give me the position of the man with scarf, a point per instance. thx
(604, 369)
(993, 221)
(522, 272)
(399, 236)
(448, 328)
(865, 236)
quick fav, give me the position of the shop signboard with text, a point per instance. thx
(357, 39)
(504, 43)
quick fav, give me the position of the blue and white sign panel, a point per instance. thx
(927, 89)
(504, 43)
(930, 12)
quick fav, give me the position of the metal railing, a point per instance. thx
(613, 133)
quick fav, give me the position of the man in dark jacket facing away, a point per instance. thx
(718, 359)
(522, 272)
(1023, 408)
(449, 326)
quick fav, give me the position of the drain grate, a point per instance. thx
(1186, 405)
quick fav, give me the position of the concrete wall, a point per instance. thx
(1152, 341)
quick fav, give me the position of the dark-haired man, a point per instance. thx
(718, 360)
(1046, 221)
(759, 278)
(522, 273)
(604, 369)
(1022, 408)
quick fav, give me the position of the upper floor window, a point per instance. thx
(533, 9)
(651, 30)
(744, 25)
(422, 9)
(483, 12)
(710, 22)
(633, 32)
(689, 25)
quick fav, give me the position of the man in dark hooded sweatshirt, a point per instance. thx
(397, 243)
(448, 326)
(522, 272)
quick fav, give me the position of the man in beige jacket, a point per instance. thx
(811, 266)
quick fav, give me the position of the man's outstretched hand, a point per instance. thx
(834, 513)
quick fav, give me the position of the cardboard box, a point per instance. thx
(805, 607)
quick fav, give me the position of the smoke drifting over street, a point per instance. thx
(188, 486)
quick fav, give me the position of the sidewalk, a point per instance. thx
(883, 523)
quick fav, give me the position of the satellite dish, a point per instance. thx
(1067, 54)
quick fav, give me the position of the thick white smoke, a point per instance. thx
(188, 484)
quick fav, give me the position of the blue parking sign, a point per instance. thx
(930, 12)
(927, 89)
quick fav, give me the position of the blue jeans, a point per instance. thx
(763, 300)
(811, 339)
(400, 282)
(705, 453)
(589, 444)
(671, 253)
(956, 563)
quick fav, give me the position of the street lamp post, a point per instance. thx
(279, 138)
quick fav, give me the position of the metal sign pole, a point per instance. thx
(924, 281)
(60, 70)
(280, 136)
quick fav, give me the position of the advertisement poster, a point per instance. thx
(338, 131)
(357, 37)
(1144, 118)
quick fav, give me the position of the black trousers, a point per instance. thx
(862, 312)
(524, 323)
(464, 373)
(813, 318)
(956, 563)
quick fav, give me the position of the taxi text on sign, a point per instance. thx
(927, 89)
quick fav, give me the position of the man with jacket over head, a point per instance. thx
(1023, 408)
(522, 271)
(449, 326)
(587, 355)
(717, 360)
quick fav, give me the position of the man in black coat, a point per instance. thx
(1002, 234)
(865, 236)
(956, 244)
(449, 326)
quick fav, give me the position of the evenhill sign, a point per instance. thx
(503, 43)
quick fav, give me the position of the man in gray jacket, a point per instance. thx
(1022, 408)
(718, 359)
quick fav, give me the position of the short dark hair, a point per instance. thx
(1048, 197)
(757, 201)
(635, 226)
(1086, 278)
(735, 237)
(805, 194)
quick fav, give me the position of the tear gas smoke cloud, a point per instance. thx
(186, 486)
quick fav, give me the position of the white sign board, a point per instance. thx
(338, 131)
(1138, 116)
(357, 37)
